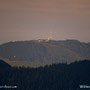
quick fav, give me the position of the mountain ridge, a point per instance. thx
(44, 53)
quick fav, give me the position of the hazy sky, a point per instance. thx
(35, 19)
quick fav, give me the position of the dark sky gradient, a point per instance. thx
(35, 19)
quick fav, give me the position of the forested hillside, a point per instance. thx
(4, 65)
(52, 77)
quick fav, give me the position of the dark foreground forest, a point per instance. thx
(52, 77)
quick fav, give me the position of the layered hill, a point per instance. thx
(41, 53)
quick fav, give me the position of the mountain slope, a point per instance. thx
(43, 53)
(4, 65)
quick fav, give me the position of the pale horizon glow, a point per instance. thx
(34, 19)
